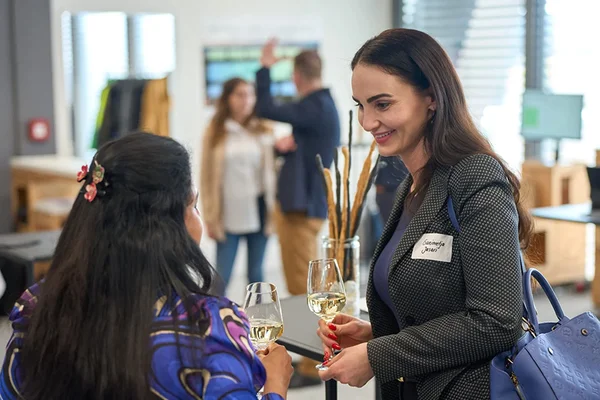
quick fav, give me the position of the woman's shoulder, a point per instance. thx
(474, 173)
(218, 305)
(24, 306)
(478, 163)
(212, 320)
(476, 169)
(202, 304)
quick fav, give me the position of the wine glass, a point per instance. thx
(326, 295)
(264, 314)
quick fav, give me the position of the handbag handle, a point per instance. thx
(528, 296)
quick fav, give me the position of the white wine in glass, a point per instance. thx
(326, 295)
(326, 304)
(264, 314)
(264, 331)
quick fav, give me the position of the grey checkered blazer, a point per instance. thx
(453, 316)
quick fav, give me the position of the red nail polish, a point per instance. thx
(325, 362)
(332, 327)
(332, 337)
(326, 356)
(336, 346)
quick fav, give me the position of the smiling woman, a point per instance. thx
(396, 115)
(441, 303)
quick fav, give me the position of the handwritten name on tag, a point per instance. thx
(433, 246)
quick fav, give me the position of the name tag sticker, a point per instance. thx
(433, 246)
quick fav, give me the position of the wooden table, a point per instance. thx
(28, 169)
(580, 213)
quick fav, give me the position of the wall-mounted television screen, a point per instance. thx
(551, 116)
(223, 62)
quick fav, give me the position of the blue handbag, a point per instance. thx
(559, 360)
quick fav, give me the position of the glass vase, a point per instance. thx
(347, 254)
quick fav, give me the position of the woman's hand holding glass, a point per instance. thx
(278, 364)
(343, 332)
(351, 366)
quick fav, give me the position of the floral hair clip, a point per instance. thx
(91, 189)
(81, 175)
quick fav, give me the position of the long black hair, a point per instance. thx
(419, 60)
(89, 334)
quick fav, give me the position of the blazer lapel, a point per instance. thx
(388, 231)
(392, 222)
(435, 198)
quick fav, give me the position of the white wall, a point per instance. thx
(346, 24)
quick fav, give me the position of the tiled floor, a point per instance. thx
(573, 304)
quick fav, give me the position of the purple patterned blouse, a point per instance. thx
(228, 367)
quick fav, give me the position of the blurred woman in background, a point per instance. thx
(237, 184)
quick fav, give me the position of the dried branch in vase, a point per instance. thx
(349, 158)
(362, 188)
(328, 186)
(344, 215)
(346, 202)
(338, 189)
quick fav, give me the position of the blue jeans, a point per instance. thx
(256, 243)
(227, 250)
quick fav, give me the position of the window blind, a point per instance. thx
(570, 67)
(486, 41)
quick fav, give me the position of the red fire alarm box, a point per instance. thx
(39, 130)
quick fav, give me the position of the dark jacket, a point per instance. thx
(454, 316)
(391, 173)
(316, 129)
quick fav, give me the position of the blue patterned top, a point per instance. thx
(226, 365)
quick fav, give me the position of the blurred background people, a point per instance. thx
(301, 204)
(391, 173)
(238, 179)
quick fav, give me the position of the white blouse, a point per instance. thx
(243, 178)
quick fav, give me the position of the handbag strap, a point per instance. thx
(454, 221)
(528, 296)
(452, 214)
(526, 277)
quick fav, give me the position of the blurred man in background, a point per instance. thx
(302, 204)
(392, 172)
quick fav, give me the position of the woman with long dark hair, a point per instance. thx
(125, 311)
(237, 181)
(444, 291)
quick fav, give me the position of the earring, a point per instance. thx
(432, 118)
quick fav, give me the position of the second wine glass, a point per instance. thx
(263, 309)
(326, 295)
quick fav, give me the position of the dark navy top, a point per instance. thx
(382, 266)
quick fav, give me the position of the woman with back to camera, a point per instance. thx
(238, 179)
(444, 297)
(125, 310)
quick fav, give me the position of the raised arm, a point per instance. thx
(295, 113)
